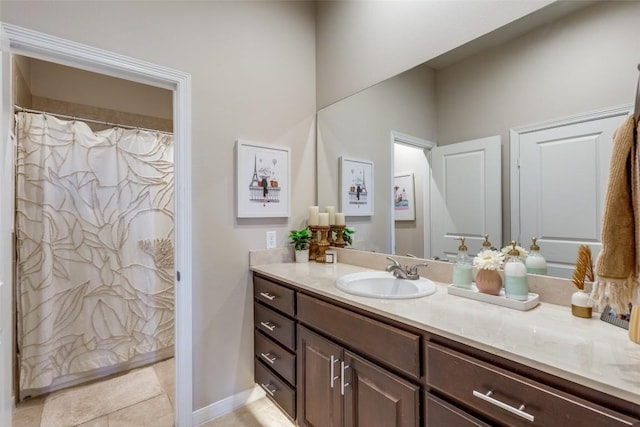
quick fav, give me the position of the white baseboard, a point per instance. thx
(224, 406)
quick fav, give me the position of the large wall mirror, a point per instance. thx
(582, 59)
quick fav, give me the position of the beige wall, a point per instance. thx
(404, 104)
(72, 85)
(54, 88)
(584, 62)
(252, 66)
(360, 43)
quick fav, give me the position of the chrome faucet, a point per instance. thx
(406, 272)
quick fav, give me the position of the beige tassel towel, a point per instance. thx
(617, 266)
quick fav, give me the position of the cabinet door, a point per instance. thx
(319, 399)
(374, 397)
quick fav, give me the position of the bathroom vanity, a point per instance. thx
(328, 358)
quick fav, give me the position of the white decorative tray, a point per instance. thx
(501, 299)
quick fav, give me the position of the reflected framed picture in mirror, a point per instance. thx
(404, 206)
(356, 187)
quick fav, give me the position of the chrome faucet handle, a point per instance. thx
(413, 270)
(410, 255)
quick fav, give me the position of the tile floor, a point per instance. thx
(157, 411)
(261, 413)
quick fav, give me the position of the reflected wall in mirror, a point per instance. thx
(580, 62)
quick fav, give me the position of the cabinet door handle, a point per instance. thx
(517, 411)
(268, 390)
(333, 372)
(266, 357)
(270, 326)
(268, 296)
(343, 384)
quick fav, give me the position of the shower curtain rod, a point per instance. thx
(64, 116)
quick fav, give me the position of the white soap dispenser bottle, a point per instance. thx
(536, 264)
(515, 276)
(462, 269)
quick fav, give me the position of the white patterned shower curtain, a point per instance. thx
(94, 235)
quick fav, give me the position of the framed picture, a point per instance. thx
(618, 319)
(404, 206)
(356, 187)
(263, 180)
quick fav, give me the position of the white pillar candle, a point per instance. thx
(340, 218)
(324, 219)
(313, 215)
(332, 214)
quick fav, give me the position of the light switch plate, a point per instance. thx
(271, 239)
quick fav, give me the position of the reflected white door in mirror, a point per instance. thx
(562, 206)
(466, 195)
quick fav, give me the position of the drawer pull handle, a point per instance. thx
(266, 357)
(517, 411)
(343, 384)
(268, 296)
(270, 326)
(268, 390)
(334, 377)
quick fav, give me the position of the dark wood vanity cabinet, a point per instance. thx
(275, 342)
(327, 364)
(340, 388)
(504, 397)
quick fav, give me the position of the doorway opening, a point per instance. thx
(59, 51)
(411, 175)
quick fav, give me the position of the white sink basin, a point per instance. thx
(381, 284)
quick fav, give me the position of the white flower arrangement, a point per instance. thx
(488, 259)
(522, 252)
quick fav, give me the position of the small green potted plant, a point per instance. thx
(300, 240)
(347, 235)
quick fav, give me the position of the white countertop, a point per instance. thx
(586, 351)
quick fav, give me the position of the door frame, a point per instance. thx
(514, 149)
(22, 41)
(425, 146)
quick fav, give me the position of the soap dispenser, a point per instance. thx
(515, 276)
(486, 245)
(536, 264)
(462, 269)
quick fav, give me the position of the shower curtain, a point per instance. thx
(94, 237)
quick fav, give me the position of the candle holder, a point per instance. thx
(330, 235)
(339, 242)
(323, 244)
(313, 244)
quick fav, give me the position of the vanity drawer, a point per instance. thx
(276, 357)
(437, 413)
(275, 325)
(498, 394)
(274, 295)
(276, 389)
(379, 341)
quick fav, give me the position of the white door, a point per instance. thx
(6, 227)
(466, 195)
(563, 172)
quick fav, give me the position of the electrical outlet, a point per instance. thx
(271, 239)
